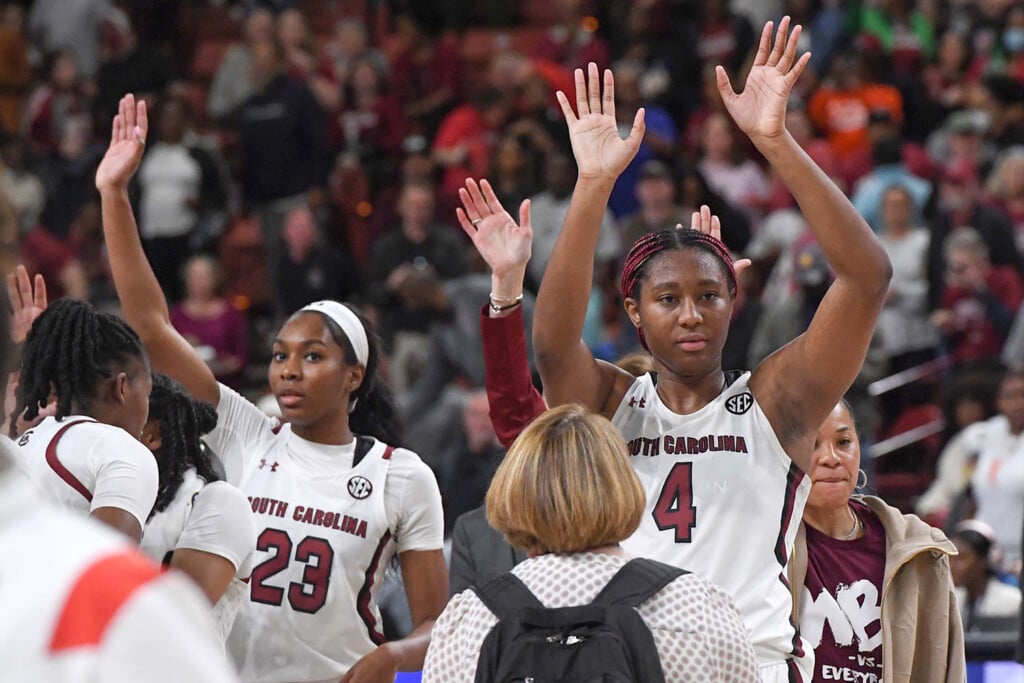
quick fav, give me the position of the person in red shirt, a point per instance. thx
(842, 106)
(979, 300)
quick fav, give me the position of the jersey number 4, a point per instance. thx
(674, 508)
(309, 595)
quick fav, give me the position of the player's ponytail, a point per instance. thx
(374, 412)
(183, 421)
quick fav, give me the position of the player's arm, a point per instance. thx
(506, 248)
(144, 304)
(568, 369)
(126, 482)
(219, 536)
(799, 384)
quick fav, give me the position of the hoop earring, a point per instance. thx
(862, 473)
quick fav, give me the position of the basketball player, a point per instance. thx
(201, 526)
(334, 501)
(722, 459)
(87, 456)
(80, 604)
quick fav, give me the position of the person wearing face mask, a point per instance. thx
(959, 208)
(880, 580)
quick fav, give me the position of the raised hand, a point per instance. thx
(600, 152)
(760, 110)
(127, 142)
(708, 223)
(27, 302)
(504, 245)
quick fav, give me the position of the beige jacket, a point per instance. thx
(922, 634)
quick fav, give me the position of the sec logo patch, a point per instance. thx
(740, 403)
(359, 487)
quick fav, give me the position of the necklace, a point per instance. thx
(856, 524)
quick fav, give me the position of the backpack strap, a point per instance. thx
(506, 596)
(637, 581)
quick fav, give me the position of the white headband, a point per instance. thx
(349, 323)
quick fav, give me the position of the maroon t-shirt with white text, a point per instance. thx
(841, 603)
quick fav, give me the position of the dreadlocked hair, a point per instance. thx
(183, 420)
(375, 413)
(70, 349)
(653, 243)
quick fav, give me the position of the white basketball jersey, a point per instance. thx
(723, 500)
(322, 547)
(171, 528)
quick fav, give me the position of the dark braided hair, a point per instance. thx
(183, 420)
(70, 349)
(375, 413)
(653, 243)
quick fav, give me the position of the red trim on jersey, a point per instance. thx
(387, 452)
(794, 672)
(363, 599)
(793, 479)
(58, 467)
(98, 595)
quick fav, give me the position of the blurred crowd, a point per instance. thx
(314, 149)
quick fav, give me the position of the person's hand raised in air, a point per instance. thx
(127, 142)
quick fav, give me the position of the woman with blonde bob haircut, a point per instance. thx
(567, 495)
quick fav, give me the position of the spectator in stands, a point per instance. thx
(728, 171)
(979, 299)
(571, 41)
(466, 140)
(787, 319)
(234, 81)
(656, 192)
(310, 269)
(349, 46)
(905, 33)
(417, 249)
(960, 207)
(549, 209)
(129, 65)
(67, 175)
(55, 104)
(724, 37)
(979, 592)
(906, 331)
(889, 170)
(517, 168)
(878, 579)
(303, 63)
(15, 70)
(426, 73)
(694, 624)
(841, 106)
(695, 191)
(963, 142)
(62, 25)
(372, 125)
(23, 188)
(947, 78)
(659, 140)
(968, 403)
(178, 182)
(1006, 187)
(210, 323)
(997, 483)
(282, 143)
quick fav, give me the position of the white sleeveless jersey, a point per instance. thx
(80, 604)
(724, 501)
(328, 520)
(83, 465)
(214, 518)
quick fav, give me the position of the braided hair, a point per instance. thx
(70, 349)
(650, 245)
(183, 420)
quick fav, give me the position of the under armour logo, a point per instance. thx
(633, 403)
(263, 464)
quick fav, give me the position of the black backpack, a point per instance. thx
(604, 642)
